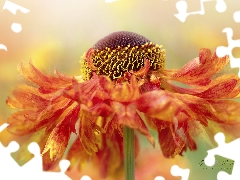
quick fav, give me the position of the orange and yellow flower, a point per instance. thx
(123, 86)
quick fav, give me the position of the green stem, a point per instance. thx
(128, 138)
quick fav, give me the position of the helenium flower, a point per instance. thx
(123, 82)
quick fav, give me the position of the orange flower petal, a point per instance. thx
(127, 115)
(92, 87)
(109, 158)
(126, 92)
(27, 97)
(59, 137)
(174, 138)
(199, 70)
(46, 83)
(77, 155)
(197, 108)
(167, 106)
(89, 132)
(171, 144)
(43, 106)
(156, 104)
(224, 86)
(220, 90)
(101, 109)
(112, 125)
(227, 110)
(28, 121)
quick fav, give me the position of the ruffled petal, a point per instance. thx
(199, 70)
(89, 132)
(171, 144)
(128, 116)
(59, 137)
(109, 158)
(156, 104)
(31, 120)
(43, 105)
(227, 110)
(126, 92)
(112, 125)
(225, 86)
(27, 97)
(46, 83)
(168, 106)
(174, 139)
(92, 89)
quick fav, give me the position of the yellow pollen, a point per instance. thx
(121, 52)
(115, 62)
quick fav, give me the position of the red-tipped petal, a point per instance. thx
(155, 104)
(59, 137)
(199, 70)
(46, 83)
(126, 92)
(127, 115)
(89, 132)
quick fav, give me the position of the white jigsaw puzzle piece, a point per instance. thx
(3, 126)
(236, 16)
(182, 6)
(34, 165)
(222, 51)
(33, 169)
(16, 27)
(177, 171)
(12, 7)
(5, 154)
(64, 164)
(85, 177)
(2, 46)
(159, 178)
(7, 163)
(228, 150)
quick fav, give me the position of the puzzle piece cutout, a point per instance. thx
(229, 150)
(3, 126)
(10, 169)
(159, 178)
(222, 51)
(2, 46)
(13, 8)
(226, 164)
(85, 177)
(176, 171)
(182, 6)
(33, 168)
(5, 156)
(236, 16)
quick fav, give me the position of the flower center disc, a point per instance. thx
(122, 52)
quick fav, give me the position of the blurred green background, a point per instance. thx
(56, 33)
